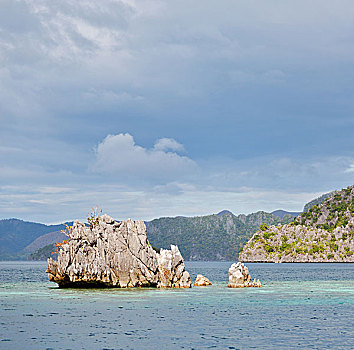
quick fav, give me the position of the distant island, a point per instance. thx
(322, 233)
(211, 237)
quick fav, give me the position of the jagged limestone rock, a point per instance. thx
(299, 243)
(322, 234)
(171, 269)
(115, 254)
(239, 277)
(201, 281)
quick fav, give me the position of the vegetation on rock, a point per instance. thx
(322, 234)
(209, 237)
(317, 201)
(44, 253)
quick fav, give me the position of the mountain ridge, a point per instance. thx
(193, 235)
(246, 225)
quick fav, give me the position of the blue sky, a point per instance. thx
(164, 108)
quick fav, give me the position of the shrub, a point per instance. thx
(264, 227)
(285, 246)
(333, 246)
(267, 234)
(269, 248)
(315, 248)
(299, 250)
(93, 217)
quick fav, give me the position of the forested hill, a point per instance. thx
(335, 211)
(325, 233)
(16, 234)
(211, 237)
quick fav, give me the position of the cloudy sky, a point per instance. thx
(161, 108)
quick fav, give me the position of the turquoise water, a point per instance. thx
(308, 306)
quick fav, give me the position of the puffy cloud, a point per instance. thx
(166, 144)
(120, 156)
(262, 84)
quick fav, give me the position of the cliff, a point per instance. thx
(325, 233)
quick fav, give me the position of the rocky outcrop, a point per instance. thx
(171, 269)
(115, 254)
(201, 281)
(322, 234)
(298, 243)
(239, 277)
(335, 211)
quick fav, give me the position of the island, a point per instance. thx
(108, 253)
(323, 233)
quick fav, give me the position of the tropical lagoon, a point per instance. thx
(299, 306)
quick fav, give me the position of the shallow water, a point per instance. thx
(309, 306)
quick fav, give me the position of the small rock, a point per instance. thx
(107, 219)
(239, 277)
(202, 281)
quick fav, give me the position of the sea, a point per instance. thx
(300, 306)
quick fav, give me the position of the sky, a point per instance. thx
(163, 108)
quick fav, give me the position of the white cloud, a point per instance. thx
(61, 49)
(350, 169)
(120, 156)
(74, 69)
(168, 144)
(124, 202)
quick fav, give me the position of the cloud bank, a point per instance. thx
(243, 105)
(118, 155)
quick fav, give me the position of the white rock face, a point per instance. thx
(202, 281)
(239, 277)
(116, 254)
(171, 269)
(305, 244)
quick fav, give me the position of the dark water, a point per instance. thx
(306, 306)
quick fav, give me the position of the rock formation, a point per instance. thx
(298, 243)
(202, 281)
(115, 254)
(322, 234)
(239, 277)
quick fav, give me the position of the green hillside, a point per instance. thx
(335, 211)
(16, 234)
(44, 253)
(324, 233)
(316, 201)
(211, 237)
